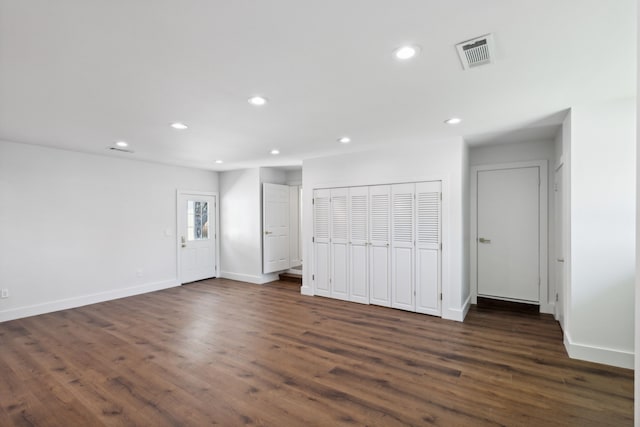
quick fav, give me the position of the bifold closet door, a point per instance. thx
(358, 244)
(428, 252)
(379, 240)
(338, 243)
(402, 247)
(321, 250)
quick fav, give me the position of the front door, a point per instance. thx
(196, 237)
(508, 234)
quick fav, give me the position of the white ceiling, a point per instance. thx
(80, 74)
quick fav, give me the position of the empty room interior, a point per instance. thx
(291, 213)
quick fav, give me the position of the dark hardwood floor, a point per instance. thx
(230, 353)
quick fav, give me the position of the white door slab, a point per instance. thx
(275, 217)
(379, 241)
(321, 223)
(402, 246)
(559, 246)
(428, 251)
(508, 224)
(358, 244)
(196, 237)
(339, 240)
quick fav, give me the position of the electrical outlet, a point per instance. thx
(4, 293)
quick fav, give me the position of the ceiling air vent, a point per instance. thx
(476, 52)
(122, 150)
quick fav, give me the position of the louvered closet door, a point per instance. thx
(321, 224)
(402, 247)
(338, 241)
(358, 244)
(428, 254)
(379, 240)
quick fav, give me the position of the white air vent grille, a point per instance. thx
(476, 52)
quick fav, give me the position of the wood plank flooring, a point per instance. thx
(220, 352)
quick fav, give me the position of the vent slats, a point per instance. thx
(428, 221)
(476, 52)
(339, 217)
(403, 217)
(321, 213)
(380, 217)
(359, 217)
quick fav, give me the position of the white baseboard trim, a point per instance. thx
(590, 353)
(74, 302)
(548, 308)
(250, 278)
(457, 314)
(306, 290)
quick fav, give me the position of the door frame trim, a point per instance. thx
(546, 306)
(179, 193)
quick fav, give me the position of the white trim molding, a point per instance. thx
(74, 302)
(457, 314)
(546, 306)
(592, 353)
(250, 278)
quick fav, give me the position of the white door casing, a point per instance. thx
(295, 244)
(197, 236)
(428, 251)
(338, 242)
(358, 244)
(275, 217)
(508, 229)
(559, 245)
(321, 224)
(402, 246)
(379, 241)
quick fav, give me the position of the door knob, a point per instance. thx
(184, 242)
(267, 232)
(483, 240)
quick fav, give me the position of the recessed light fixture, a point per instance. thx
(219, 162)
(453, 121)
(122, 144)
(257, 100)
(179, 126)
(275, 151)
(344, 140)
(406, 52)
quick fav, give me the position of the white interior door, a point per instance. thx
(338, 242)
(379, 240)
(196, 237)
(275, 217)
(559, 246)
(508, 233)
(402, 246)
(358, 244)
(295, 247)
(321, 224)
(428, 251)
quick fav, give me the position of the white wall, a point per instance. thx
(78, 228)
(439, 160)
(523, 152)
(240, 225)
(603, 215)
(294, 177)
(273, 176)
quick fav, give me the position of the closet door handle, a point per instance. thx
(483, 240)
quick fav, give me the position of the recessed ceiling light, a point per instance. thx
(122, 144)
(179, 126)
(257, 100)
(219, 162)
(406, 52)
(453, 121)
(275, 151)
(344, 140)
